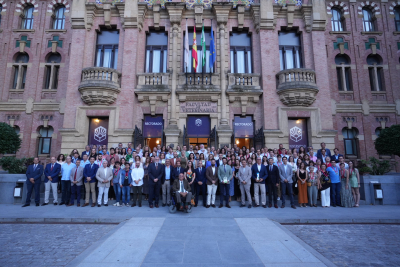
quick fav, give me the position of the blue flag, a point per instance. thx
(213, 54)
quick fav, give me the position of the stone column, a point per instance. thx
(221, 11)
(172, 131)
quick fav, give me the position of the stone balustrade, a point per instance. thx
(99, 86)
(151, 81)
(199, 82)
(244, 82)
(297, 87)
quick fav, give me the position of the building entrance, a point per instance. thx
(153, 128)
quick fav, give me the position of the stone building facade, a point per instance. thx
(331, 67)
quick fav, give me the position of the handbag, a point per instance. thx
(308, 183)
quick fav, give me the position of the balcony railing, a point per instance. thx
(199, 82)
(244, 82)
(99, 86)
(297, 87)
(152, 81)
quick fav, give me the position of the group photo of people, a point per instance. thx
(134, 176)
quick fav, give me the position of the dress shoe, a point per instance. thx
(69, 205)
(133, 205)
(168, 204)
(242, 205)
(186, 207)
(207, 206)
(293, 207)
(270, 206)
(106, 205)
(282, 206)
(276, 206)
(26, 205)
(78, 205)
(256, 206)
(98, 205)
(213, 205)
(264, 206)
(181, 207)
(220, 206)
(157, 206)
(334, 205)
(249, 206)
(195, 205)
(55, 204)
(86, 204)
(164, 205)
(62, 203)
(37, 204)
(151, 206)
(93, 205)
(227, 205)
(140, 205)
(44, 204)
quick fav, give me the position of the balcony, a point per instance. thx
(99, 86)
(153, 82)
(297, 87)
(198, 82)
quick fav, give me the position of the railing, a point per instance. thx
(199, 79)
(296, 76)
(153, 79)
(93, 74)
(244, 79)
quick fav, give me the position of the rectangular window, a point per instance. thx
(107, 49)
(59, 20)
(27, 20)
(347, 79)
(240, 44)
(375, 79)
(51, 78)
(290, 50)
(156, 52)
(44, 145)
(19, 77)
(200, 68)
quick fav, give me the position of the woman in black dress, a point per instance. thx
(190, 176)
(146, 178)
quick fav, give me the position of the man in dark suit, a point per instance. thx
(259, 175)
(319, 152)
(89, 176)
(156, 172)
(200, 183)
(167, 180)
(86, 152)
(182, 189)
(51, 173)
(76, 178)
(178, 169)
(336, 155)
(273, 182)
(33, 179)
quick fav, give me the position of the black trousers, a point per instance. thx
(154, 192)
(30, 188)
(272, 191)
(203, 189)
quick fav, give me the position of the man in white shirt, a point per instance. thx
(85, 161)
(137, 183)
(341, 160)
(203, 151)
(212, 183)
(170, 154)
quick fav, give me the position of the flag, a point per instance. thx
(187, 61)
(203, 47)
(213, 56)
(194, 50)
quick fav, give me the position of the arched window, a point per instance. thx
(52, 71)
(375, 70)
(343, 72)
(350, 141)
(337, 20)
(45, 139)
(59, 18)
(27, 18)
(19, 68)
(368, 20)
(397, 18)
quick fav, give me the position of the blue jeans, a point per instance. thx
(287, 187)
(335, 193)
(117, 191)
(126, 194)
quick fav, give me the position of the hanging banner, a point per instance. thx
(298, 133)
(98, 131)
(244, 127)
(153, 126)
(198, 126)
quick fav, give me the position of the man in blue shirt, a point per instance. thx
(66, 169)
(335, 183)
(85, 161)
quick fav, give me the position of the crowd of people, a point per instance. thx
(240, 174)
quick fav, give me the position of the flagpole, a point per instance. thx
(202, 63)
(186, 54)
(211, 71)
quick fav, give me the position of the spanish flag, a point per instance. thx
(194, 51)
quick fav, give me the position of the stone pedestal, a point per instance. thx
(172, 133)
(224, 136)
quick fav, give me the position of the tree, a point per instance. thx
(9, 141)
(388, 141)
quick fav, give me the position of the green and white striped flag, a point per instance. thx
(203, 46)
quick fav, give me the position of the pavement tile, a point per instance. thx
(273, 252)
(209, 252)
(164, 251)
(237, 253)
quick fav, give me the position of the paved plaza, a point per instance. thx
(111, 236)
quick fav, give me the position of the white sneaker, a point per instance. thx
(118, 205)
(127, 205)
(123, 205)
(115, 204)
(278, 198)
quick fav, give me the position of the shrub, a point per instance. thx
(376, 166)
(387, 142)
(14, 165)
(9, 141)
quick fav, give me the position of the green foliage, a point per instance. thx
(9, 141)
(388, 142)
(376, 166)
(14, 165)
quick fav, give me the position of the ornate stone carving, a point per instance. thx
(297, 87)
(240, 12)
(99, 86)
(198, 15)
